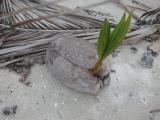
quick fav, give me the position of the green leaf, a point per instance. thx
(103, 39)
(108, 42)
(118, 28)
(118, 34)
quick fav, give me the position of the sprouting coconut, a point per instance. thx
(76, 64)
(70, 59)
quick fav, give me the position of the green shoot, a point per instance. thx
(109, 40)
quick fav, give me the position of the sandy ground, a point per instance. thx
(134, 91)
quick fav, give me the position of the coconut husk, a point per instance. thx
(69, 59)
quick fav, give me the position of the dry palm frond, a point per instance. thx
(140, 4)
(141, 32)
(17, 44)
(148, 24)
(26, 14)
(21, 44)
(150, 17)
(51, 20)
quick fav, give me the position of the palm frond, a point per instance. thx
(17, 44)
(150, 17)
(26, 14)
(22, 43)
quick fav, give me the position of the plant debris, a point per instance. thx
(10, 110)
(113, 71)
(114, 54)
(150, 17)
(23, 68)
(134, 49)
(152, 38)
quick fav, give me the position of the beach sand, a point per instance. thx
(134, 90)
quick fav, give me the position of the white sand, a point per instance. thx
(133, 91)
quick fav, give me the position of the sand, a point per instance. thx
(134, 90)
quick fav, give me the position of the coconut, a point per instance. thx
(69, 60)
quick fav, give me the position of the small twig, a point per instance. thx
(12, 61)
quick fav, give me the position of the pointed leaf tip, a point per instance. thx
(103, 39)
